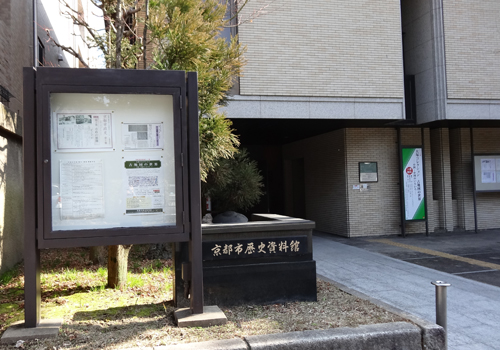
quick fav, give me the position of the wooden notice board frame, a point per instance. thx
(175, 215)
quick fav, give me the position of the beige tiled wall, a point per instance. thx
(323, 48)
(332, 169)
(461, 178)
(472, 41)
(487, 141)
(377, 211)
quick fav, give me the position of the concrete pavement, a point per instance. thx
(471, 255)
(473, 307)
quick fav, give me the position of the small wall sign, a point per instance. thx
(368, 172)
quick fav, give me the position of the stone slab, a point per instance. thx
(211, 316)
(45, 329)
(397, 335)
(227, 344)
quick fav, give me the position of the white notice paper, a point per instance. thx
(142, 136)
(84, 131)
(82, 189)
(488, 177)
(488, 174)
(488, 164)
(144, 187)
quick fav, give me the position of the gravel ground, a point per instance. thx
(142, 315)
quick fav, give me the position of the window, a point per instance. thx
(41, 53)
(231, 30)
(5, 95)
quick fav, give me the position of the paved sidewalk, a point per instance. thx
(473, 307)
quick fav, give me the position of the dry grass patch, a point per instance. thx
(99, 318)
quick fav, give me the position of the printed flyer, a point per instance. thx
(84, 131)
(142, 136)
(82, 189)
(144, 187)
(488, 173)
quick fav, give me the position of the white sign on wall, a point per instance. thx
(487, 172)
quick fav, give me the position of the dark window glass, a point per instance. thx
(41, 53)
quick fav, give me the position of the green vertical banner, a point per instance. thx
(413, 182)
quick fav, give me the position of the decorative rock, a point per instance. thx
(230, 217)
(207, 219)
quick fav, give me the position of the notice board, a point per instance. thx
(113, 161)
(111, 157)
(487, 172)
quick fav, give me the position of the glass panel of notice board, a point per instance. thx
(112, 161)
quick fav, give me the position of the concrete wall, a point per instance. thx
(452, 47)
(323, 48)
(424, 56)
(472, 48)
(16, 52)
(11, 189)
(16, 48)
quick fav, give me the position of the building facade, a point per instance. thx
(332, 84)
(19, 50)
(15, 41)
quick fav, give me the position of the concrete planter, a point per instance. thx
(257, 274)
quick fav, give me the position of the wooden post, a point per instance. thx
(32, 292)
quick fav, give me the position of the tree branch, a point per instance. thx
(93, 33)
(119, 34)
(133, 9)
(239, 5)
(68, 49)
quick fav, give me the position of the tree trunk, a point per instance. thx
(118, 254)
(145, 36)
(119, 34)
(117, 265)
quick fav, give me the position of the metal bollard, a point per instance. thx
(441, 306)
